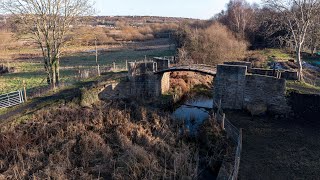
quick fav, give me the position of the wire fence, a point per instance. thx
(229, 170)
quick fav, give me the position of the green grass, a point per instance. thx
(277, 53)
(107, 58)
(302, 87)
(32, 71)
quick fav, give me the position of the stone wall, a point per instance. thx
(283, 74)
(143, 81)
(240, 63)
(265, 92)
(161, 63)
(265, 72)
(229, 85)
(140, 68)
(289, 75)
(238, 90)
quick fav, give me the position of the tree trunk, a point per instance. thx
(57, 69)
(299, 61)
(53, 83)
(313, 50)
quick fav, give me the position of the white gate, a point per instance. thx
(11, 99)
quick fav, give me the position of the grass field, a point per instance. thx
(30, 69)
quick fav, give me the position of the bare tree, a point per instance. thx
(299, 14)
(47, 21)
(240, 15)
(313, 36)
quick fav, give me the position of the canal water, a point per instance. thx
(193, 112)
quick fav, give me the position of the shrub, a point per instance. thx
(89, 97)
(212, 45)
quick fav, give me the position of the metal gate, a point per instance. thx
(11, 99)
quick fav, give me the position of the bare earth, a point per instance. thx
(278, 149)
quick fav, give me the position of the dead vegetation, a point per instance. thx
(182, 82)
(211, 45)
(112, 140)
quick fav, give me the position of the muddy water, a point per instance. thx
(193, 112)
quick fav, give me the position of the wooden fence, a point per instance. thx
(228, 172)
(11, 99)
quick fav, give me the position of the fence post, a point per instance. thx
(126, 65)
(114, 66)
(95, 42)
(24, 90)
(20, 97)
(222, 122)
(240, 136)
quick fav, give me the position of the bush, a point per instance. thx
(89, 97)
(212, 45)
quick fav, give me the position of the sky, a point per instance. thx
(198, 9)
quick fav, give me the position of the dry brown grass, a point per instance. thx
(184, 81)
(7, 40)
(110, 141)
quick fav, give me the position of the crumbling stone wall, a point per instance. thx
(140, 68)
(284, 74)
(238, 90)
(161, 63)
(143, 81)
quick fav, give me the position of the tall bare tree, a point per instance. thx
(299, 14)
(313, 36)
(240, 16)
(47, 21)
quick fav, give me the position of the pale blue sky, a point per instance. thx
(200, 9)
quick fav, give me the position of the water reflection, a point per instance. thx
(193, 112)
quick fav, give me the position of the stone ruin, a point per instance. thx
(143, 81)
(237, 88)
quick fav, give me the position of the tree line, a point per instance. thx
(293, 24)
(277, 23)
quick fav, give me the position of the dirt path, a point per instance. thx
(34, 104)
(39, 103)
(278, 149)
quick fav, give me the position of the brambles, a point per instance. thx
(113, 140)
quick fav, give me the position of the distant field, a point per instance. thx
(30, 68)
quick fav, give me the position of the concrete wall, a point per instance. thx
(239, 90)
